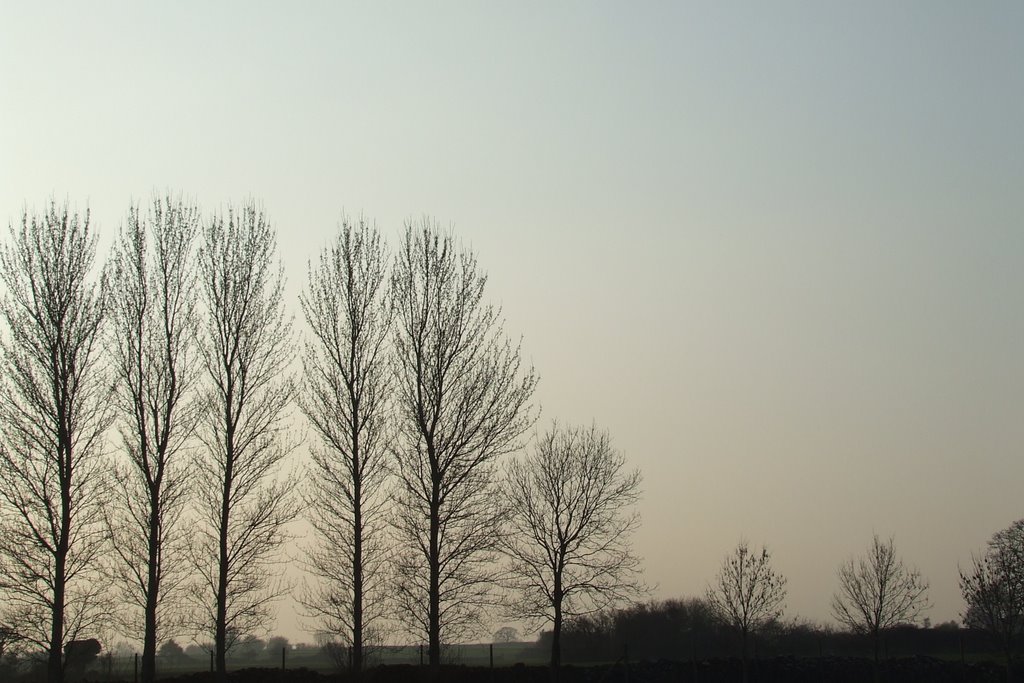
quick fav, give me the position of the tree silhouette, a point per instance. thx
(993, 589)
(154, 318)
(570, 524)
(462, 400)
(345, 391)
(244, 500)
(747, 594)
(878, 592)
(54, 411)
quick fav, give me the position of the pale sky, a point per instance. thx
(776, 249)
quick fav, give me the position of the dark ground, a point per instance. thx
(778, 670)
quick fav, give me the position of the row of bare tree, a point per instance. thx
(183, 346)
(878, 592)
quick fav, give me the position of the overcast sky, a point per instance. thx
(776, 249)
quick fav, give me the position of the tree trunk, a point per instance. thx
(152, 594)
(220, 630)
(434, 589)
(357, 574)
(556, 630)
(55, 661)
(875, 668)
(744, 660)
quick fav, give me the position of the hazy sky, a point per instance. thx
(776, 249)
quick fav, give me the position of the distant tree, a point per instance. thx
(171, 651)
(346, 378)
(462, 401)
(244, 499)
(153, 314)
(747, 594)
(54, 413)
(993, 588)
(10, 642)
(199, 650)
(506, 634)
(9, 652)
(248, 647)
(78, 654)
(275, 644)
(878, 592)
(570, 518)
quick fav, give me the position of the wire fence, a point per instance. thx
(964, 656)
(122, 666)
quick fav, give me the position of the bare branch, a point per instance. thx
(243, 498)
(878, 592)
(345, 398)
(152, 341)
(747, 593)
(54, 411)
(463, 401)
(993, 589)
(570, 524)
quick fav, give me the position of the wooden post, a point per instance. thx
(283, 651)
(491, 648)
(421, 654)
(135, 677)
(211, 660)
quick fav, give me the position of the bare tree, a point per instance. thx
(345, 397)
(993, 589)
(506, 634)
(53, 416)
(878, 592)
(570, 521)
(153, 312)
(463, 401)
(244, 499)
(747, 594)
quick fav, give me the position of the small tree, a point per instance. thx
(275, 644)
(747, 594)
(506, 634)
(878, 592)
(569, 543)
(172, 652)
(993, 589)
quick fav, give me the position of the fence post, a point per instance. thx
(625, 660)
(491, 648)
(283, 651)
(421, 654)
(211, 660)
(135, 677)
